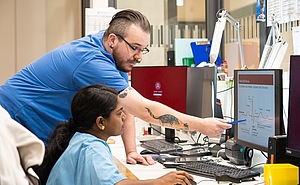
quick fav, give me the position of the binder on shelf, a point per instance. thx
(201, 51)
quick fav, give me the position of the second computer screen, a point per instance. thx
(258, 99)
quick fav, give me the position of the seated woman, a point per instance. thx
(78, 153)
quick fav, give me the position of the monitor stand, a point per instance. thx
(170, 135)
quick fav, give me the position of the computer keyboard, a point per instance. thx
(218, 171)
(201, 151)
(160, 146)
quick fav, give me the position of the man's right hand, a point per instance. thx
(214, 127)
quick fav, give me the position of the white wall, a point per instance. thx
(7, 39)
(31, 28)
(232, 5)
(193, 11)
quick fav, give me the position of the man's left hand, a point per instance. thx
(134, 158)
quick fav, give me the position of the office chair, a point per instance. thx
(20, 150)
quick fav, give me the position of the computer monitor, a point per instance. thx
(188, 90)
(258, 98)
(293, 126)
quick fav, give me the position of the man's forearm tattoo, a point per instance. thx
(124, 93)
(169, 120)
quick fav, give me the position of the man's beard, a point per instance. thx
(121, 65)
(121, 68)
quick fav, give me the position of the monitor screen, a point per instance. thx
(293, 126)
(258, 98)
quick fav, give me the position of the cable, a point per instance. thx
(205, 181)
(178, 141)
(258, 164)
(191, 136)
(155, 129)
(230, 88)
(229, 117)
(264, 154)
(205, 139)
(196, 143)
(226, 89)
(221, 150)
(176, 137)
(198, 138)
(260, 183)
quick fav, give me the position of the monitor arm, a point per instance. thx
(275, 31)
(274, 38)
(218, 32)
(237, 27)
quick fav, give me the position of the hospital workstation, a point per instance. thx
(230, 59)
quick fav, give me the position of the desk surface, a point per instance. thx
(152, 172)
(125, 171)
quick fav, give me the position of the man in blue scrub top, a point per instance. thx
(39, 95)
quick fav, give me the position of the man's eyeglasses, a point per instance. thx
(143, 51)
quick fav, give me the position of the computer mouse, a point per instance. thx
(192, 182)
(144, 152)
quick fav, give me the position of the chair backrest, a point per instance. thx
(19, 151)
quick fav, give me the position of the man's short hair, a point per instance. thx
(123, 19)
